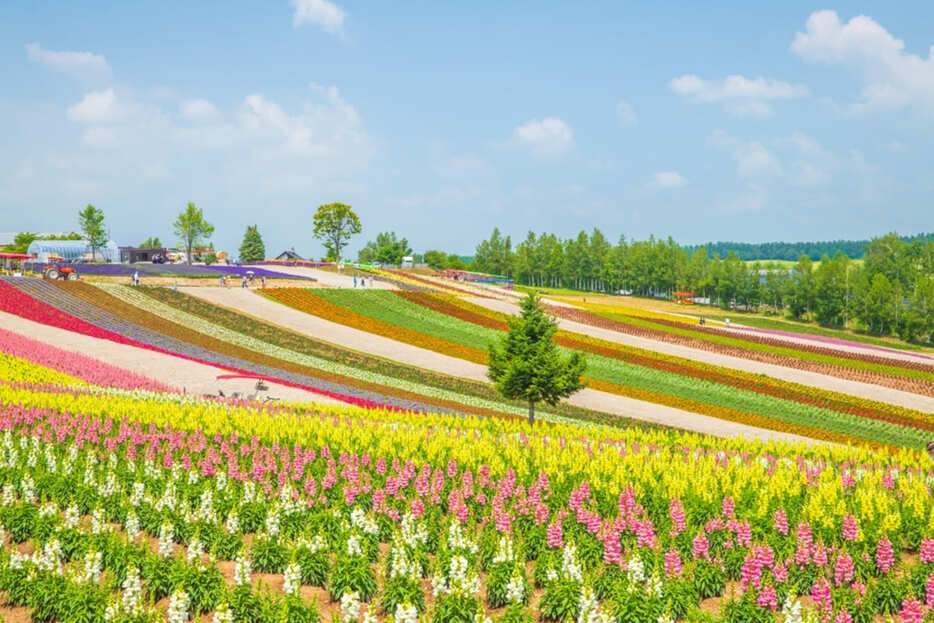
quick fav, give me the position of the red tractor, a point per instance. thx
(53, 271)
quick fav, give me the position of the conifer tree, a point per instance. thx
(252, 248)
(526, 364)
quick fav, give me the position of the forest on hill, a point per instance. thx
(792, 251)
(890, 292)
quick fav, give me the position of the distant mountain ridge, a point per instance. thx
(792, 251)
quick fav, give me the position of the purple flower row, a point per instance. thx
(170, 270)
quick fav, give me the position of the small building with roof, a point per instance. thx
(290, 256)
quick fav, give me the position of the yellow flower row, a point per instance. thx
(673, 464)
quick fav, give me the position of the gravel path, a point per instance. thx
(182, 374)
(331, 280)
(804, 377)
(307, 324)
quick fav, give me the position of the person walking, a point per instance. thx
(362, 282)
(355, 281)
(262, 281)
(136, 278)
(243, 282)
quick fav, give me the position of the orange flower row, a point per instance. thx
(308, 302)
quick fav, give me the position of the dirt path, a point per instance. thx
(182, 374)
(804, 377)
(330, 279)
(307, 324)
(183, 282)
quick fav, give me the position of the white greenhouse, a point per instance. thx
(71, 250)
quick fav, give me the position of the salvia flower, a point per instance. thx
(780, 522)
(927, 551)
(843, 569)
(178, 607)
(911, 611)
(767, 598)
(885, 555)
(850, 530)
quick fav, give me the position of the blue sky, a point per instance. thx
(441, 120)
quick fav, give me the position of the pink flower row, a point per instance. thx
(88, 369)
(14, 301)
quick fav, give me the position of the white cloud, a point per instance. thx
(813, 163)
(95, 107)
(100, 137)
(892, 77)
(667, 179)
(741, 96)
(198, 109)
(322, 13)
(752, 158)
(84, 65)
(807, 145)
(625, 113)
(808, 175)
(752, 201)
(546, 138)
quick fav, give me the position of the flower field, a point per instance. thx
(75, 367)
(429, 499)
(451, 326)
(917, 377)
(244, 345)
(140, 508)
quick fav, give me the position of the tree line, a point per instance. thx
(792, 251)
(889, 292)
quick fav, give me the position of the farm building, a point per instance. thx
(71, 250)
(132, 255)
(289, 255)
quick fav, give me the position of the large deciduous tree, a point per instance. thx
(494, 255)
(334, 224)
(152, 242)
(252, 248)
(436, 259)
(192, 229)
(386, 249)
(91, 222)
(526, 364)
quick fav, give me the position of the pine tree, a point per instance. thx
(252, 248)
(526, 364)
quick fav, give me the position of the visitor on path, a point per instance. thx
(362, 282)
(221, 280)
(136, 278)
(262, 281)
(355, 281)
(243, 282)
